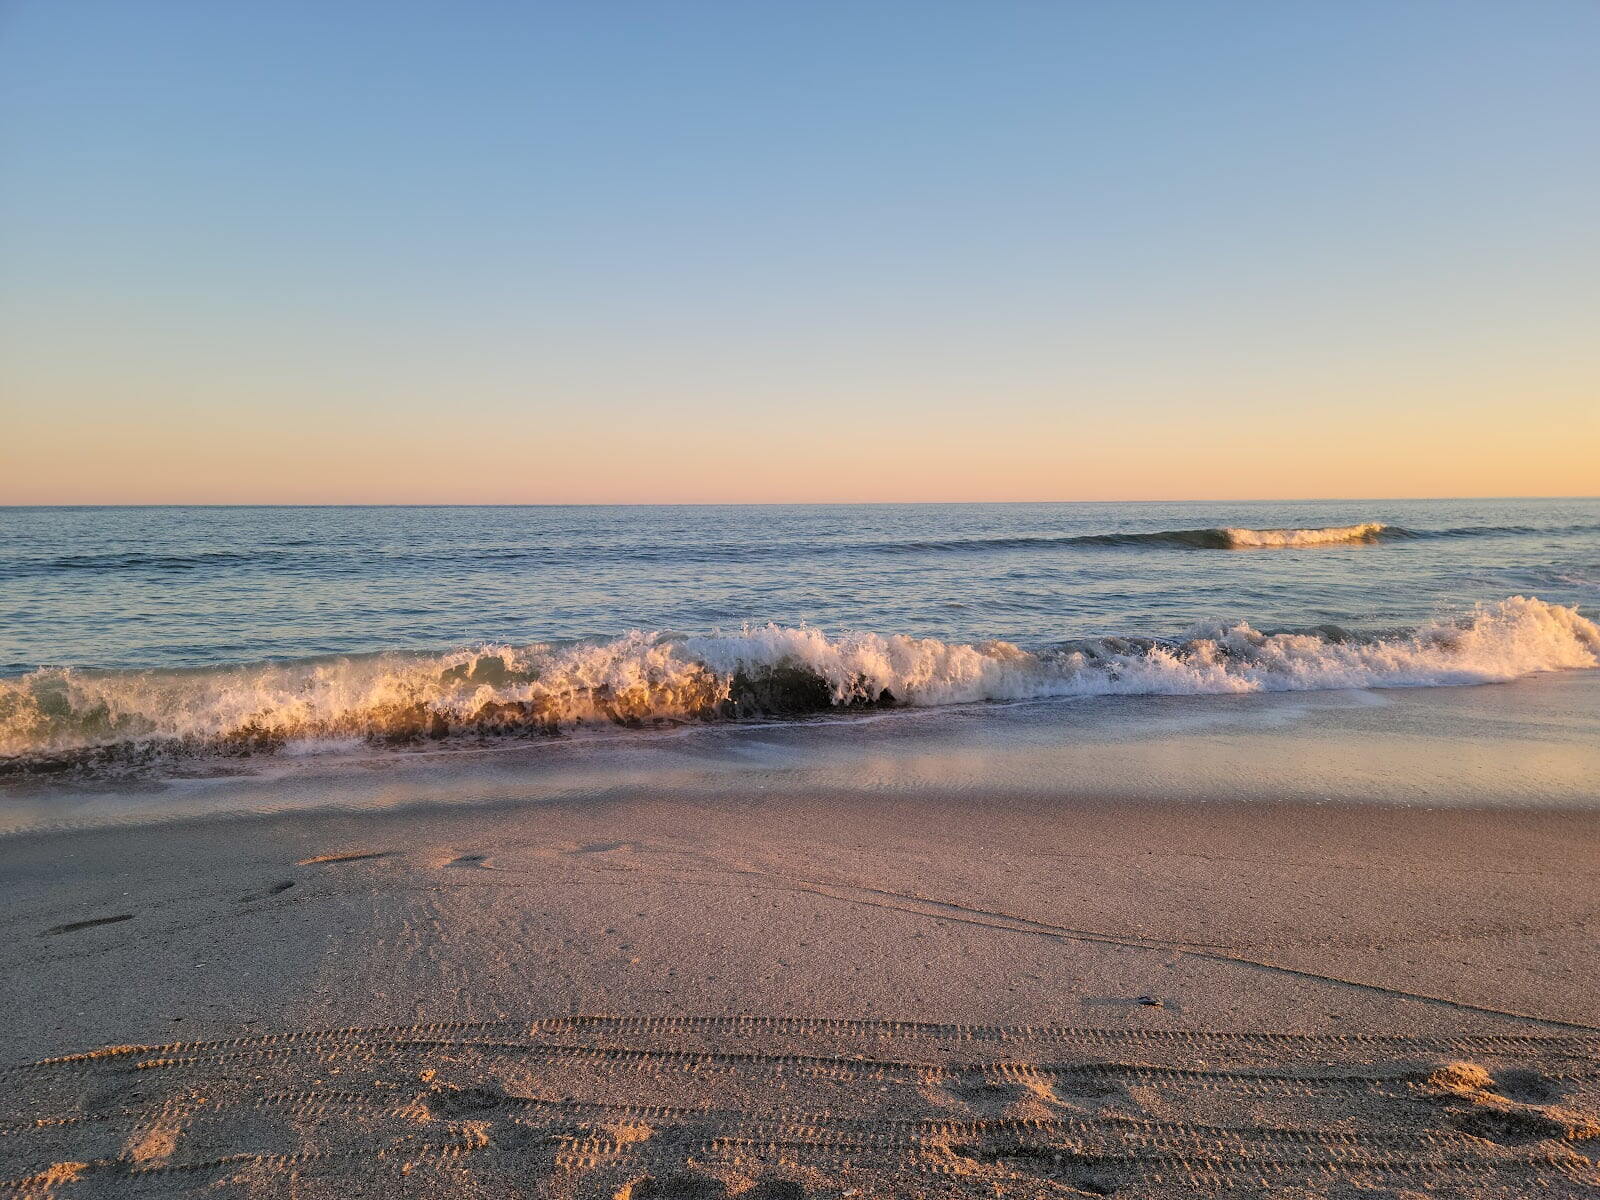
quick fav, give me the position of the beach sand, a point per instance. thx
(807, 996)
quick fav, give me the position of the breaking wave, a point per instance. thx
(1369, 531)
(1225, 538)
(58, 717)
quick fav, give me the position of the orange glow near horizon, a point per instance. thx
(290, 254)
(248, 452)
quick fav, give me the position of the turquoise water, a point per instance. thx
(134, 630)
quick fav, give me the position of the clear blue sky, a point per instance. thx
(635, 251)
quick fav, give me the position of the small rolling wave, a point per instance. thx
(57, 717)
(1229, 538)
(1219, 537)
(1334, 535)
(1224, 537)
(1212, 538)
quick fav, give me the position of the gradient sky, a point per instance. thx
(503, 252)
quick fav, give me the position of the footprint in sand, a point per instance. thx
(681, 1185)
(1527, 1087)
(276, 889)
(472, 862)
(74, 926)
(453, 1102)
(357, 856)
(992, 1096)
(1507, 1108)
(776, 1189)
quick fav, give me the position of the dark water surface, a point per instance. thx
(180, 587)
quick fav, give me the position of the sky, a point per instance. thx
(290, 251)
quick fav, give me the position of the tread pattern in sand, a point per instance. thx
(758, 1106)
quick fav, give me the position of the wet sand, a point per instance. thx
(804, 995)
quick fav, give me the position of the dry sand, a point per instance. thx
(807, 997)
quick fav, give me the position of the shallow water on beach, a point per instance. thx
(142, 641)
(1530, 743)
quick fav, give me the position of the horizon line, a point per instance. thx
(764, 503)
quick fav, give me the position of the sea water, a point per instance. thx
(154, 643)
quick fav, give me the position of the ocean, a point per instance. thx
(170, 643)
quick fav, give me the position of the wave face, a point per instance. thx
(1213, 538)
(1229, 538)
(1369, 531)
(57, 717)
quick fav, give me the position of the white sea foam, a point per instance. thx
(1333, 535)
(642, 677)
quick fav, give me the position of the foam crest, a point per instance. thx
(63, 714)
(1333, 535)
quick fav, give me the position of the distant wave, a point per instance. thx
(1234, 538)
(57, 717)
(337, 559)
(1214, 538)
(1367, 531)
(1227, 538)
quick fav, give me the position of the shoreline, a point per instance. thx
(1528, 745)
